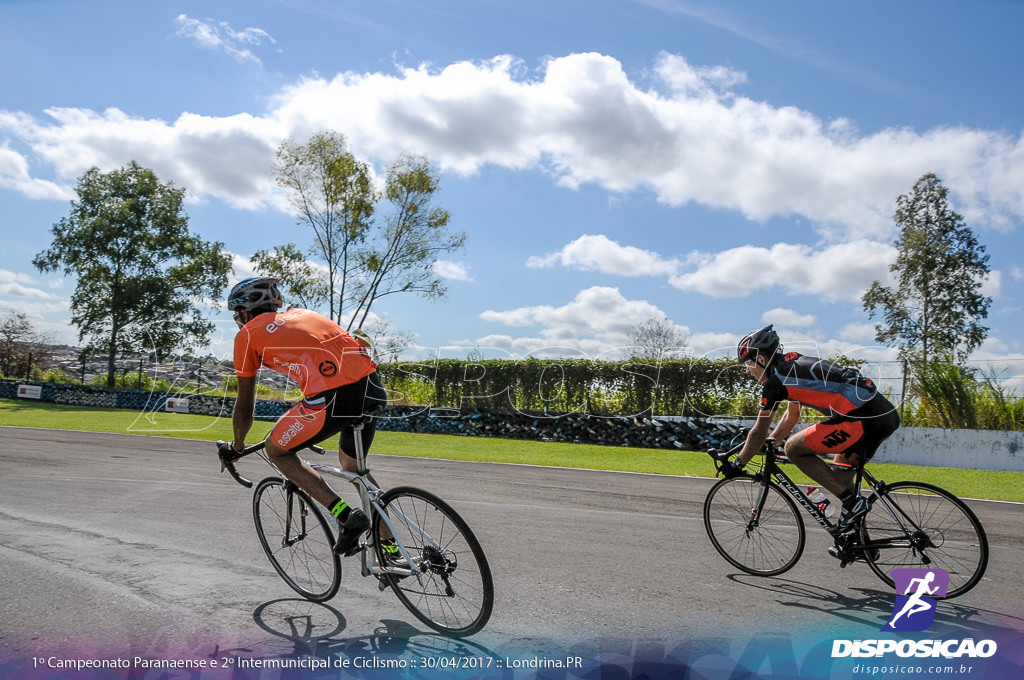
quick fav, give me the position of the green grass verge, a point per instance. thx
(967, 483)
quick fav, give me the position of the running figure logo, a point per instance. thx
(915, 608)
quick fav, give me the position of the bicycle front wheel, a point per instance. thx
(915, 525)
(297, 539)
(454, 593)
(764, 543)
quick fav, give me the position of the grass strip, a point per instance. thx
(995, 485)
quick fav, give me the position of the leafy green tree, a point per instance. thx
(936, 306)
(332, 193)
(365, 258)
(140, 272)
(402, 254)
(304, 285)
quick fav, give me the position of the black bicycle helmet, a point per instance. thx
(762, 341)
(260, 292)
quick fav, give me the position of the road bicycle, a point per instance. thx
(753, 521)
(441, 574)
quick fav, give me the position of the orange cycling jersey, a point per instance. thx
(308, 347)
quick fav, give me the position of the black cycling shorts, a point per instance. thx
(317, 418)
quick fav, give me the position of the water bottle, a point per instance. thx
(815, 495)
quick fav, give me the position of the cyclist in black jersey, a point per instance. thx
(859, 418)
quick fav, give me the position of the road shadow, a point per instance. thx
(299, 628)
(872, 607)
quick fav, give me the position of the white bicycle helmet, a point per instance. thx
(259, 292)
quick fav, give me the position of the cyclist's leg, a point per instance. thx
(806, 448)
(844, 466)
(351, 401)
(300, 426)
(365, 396)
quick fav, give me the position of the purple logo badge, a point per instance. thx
(915, 604)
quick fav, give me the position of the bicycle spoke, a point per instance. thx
(919, 525)
(767, 544)
(454, 593)
(297, 540)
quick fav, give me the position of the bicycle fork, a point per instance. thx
(288, 540)
(755, 512)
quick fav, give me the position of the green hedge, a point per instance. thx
(691, 387)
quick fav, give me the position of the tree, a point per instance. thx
(656, 338)
(387, 342)
(139, 269)
(303, 284)
(365, 259)
(401, 257)
(333, 194)
(937, 305)
(22, 348)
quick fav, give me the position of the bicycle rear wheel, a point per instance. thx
(764, 544)
(917, 526)
(297, 539)
(454, 594)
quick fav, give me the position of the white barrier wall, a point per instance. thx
(976, 449)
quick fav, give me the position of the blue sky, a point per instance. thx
(723, 165)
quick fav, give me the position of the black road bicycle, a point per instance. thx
(753, 520)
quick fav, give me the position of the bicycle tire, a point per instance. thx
(304, 559)
(455, 593)
(949, 534)
(771, 546)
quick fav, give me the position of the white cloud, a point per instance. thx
(453, 271)
(22, 290)
(858, 332)
(837, 272)
(14, 174)
(17, 290)
(226, 158)
(241, 268)
(599, 253)
(992, 285)
(598, 319)
(686, 137)
(788, 318)
(211, 34)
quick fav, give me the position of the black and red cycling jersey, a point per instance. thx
(859, 418)
(820, 384)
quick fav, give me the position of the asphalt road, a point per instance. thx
(130, 544)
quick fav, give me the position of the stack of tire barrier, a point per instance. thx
(688, 434)
(138, 400)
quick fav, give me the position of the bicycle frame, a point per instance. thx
(773, 471)
(369, 497)
(911, 531)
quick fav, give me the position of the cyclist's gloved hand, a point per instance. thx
(730, 469)
(227, 452)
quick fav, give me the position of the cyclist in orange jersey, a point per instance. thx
(339, 383)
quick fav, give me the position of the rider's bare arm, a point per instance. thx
(788, 421)
(242, 416)
(756, 437)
